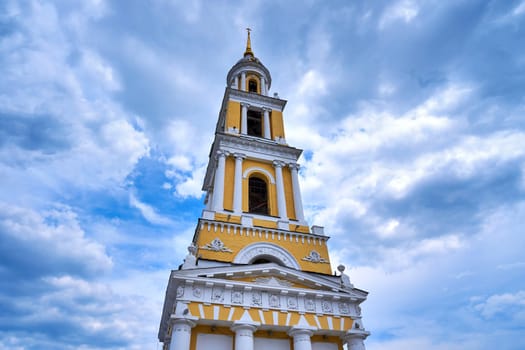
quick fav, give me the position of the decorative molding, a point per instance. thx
(197, 292)
(252, 251)
(309, 304)
(278, 164)
(248, 171)
(217, 246)
(343, 308)
(292, 303)
(217, 294)
(272, 281)
(237, 297)
(315, 257)
(326, 306)
(274, 300)
(248, 143)
(257, 298)
(267, 233)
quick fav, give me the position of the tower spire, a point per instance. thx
(248, 44)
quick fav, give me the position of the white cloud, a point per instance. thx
(503, 304)
(191, 186)
(148, 212)
(54, 236)
(405, 10)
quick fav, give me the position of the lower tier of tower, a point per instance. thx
(189, 335)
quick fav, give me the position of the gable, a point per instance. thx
(271, 276)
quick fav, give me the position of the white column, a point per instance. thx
(263, 87)
(243, 336)
(244, 118)
(236, 82)
(181, 334)
(281, 199)
(218, 185)
(237, 185)
(355, 337)
(301, 339)
(297, 200)
(355, 342)
(243, 81)
(266, 123)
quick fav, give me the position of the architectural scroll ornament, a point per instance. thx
(315, 257)
(217, 246)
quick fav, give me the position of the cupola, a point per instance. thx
(249, 74)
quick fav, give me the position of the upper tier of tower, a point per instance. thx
(249, 74)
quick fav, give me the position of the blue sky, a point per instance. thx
(411, 115)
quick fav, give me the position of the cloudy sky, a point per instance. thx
(411, 115)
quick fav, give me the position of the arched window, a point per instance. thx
(258, 196)
(254, 121)
(252, 85)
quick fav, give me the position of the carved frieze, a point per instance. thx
(309, 304)
(197, 292)
(237, 297)
(217, 294)
(327, 306)
(292, 302)
(256, 298)
(274, 300)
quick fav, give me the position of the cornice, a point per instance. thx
(255, 99)
(257, 144)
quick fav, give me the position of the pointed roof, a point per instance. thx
(249, 62)
(248, 50)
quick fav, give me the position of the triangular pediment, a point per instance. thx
(272, 276)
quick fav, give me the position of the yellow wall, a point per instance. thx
(277, 124)
(338, 323)
(233, 115)
(234, 219)
(229, 174)
(235, 241)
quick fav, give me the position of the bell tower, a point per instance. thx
(256, 275)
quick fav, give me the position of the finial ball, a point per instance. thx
(341, 268)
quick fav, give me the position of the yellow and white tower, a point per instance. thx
(256, 276)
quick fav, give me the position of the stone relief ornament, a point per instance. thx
(315, 257)
(274, 300)
(343, 308)
(327, 306)
(197, 292)
(309, 304)
(217, 246)
(237, 297)
(272, 281)
(217, 294)
(257, 298)
(180, 291)
(292, 302)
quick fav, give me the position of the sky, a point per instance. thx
(411, 115)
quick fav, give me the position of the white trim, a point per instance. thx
(247, 254)
(264, 171)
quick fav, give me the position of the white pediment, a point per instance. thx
(272, 276)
